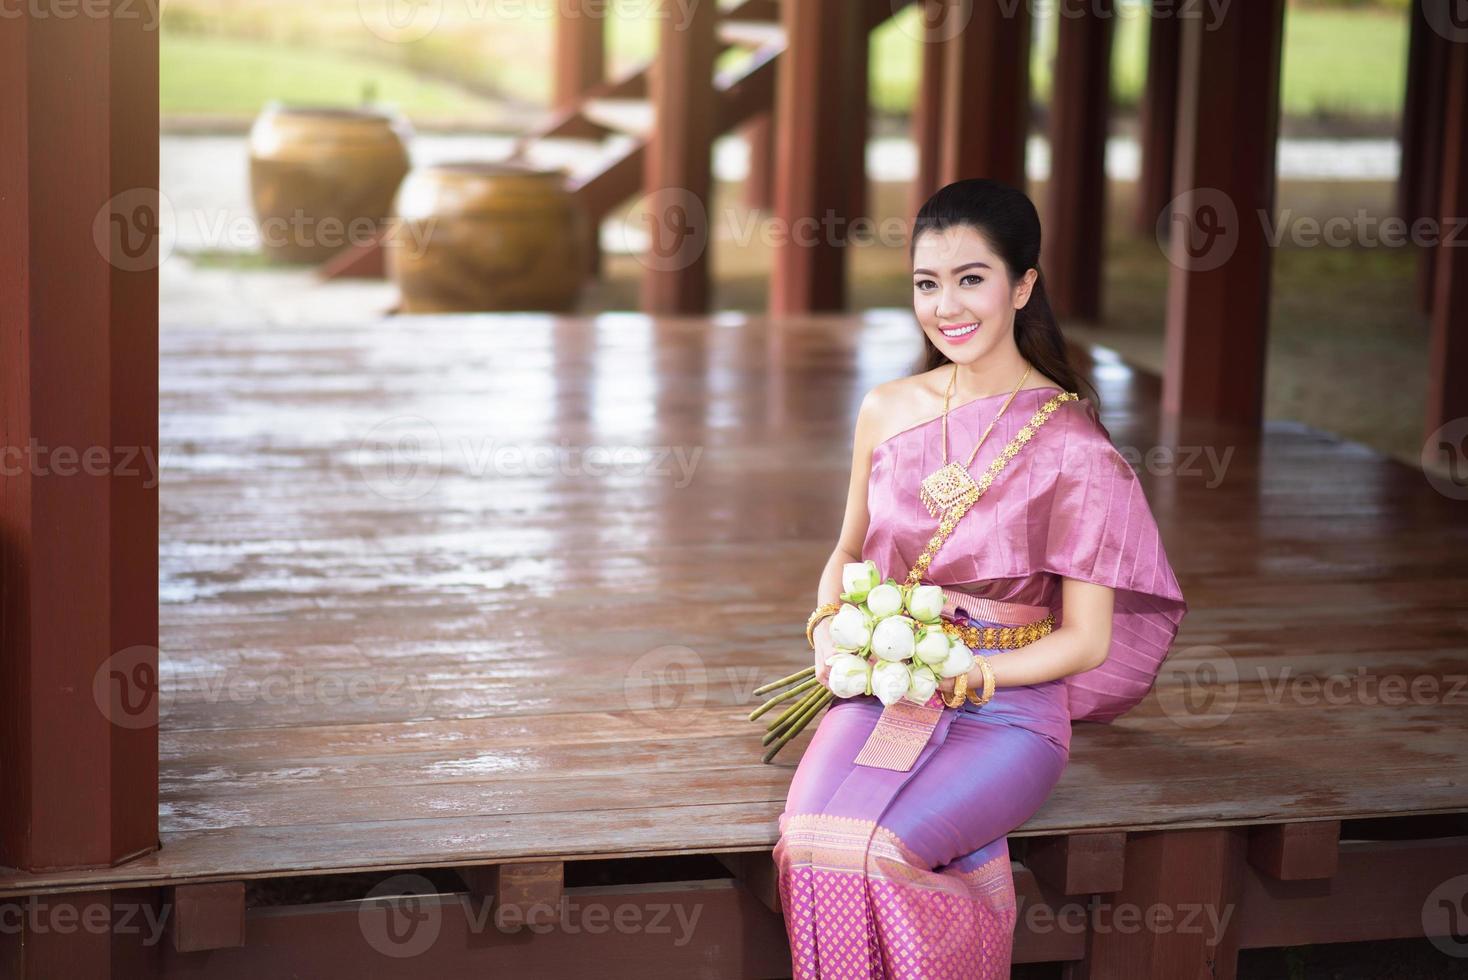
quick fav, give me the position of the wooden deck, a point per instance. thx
(384, 646)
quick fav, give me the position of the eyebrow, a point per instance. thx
(956, 269)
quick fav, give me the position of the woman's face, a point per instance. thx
(962, 294)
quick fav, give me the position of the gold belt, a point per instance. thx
(999, 637)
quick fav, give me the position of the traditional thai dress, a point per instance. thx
(893, 858)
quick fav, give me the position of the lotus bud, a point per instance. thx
(848, 674)
(932, 646)
(925, 603)
(859, 578)
(960, 659)
(885, 600)
(890, 681)
(922, 685)
(893, 638)
(850, 628)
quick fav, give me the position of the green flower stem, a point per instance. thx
(798, 675)
(797, 689)
(789, 714)
(800, 723)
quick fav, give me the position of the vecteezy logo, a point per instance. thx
(136, 229)
(667, 230)
(1199, 687)
(1445, 916)
(1199, 229)
(400, 458)
(1448, 18)
(666, 682)
(402, 916)
(1445, 459)
(400, 21)
(936, 22)
(126, 688)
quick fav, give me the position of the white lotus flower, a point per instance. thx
(922, 684)
(885, 600)
(932, 646)
(858, 578)
(850, 628)
(849, 674)
(893, 638)
(890, 681)
(925, 603)
(960, 659)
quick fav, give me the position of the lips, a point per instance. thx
(959, 334)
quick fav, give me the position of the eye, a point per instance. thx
(973, 276)
(921, 283)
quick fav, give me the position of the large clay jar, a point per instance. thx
(487, 236)
(323, 179)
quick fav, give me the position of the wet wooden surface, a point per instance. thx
(390, 641)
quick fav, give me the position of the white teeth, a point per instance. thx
(961, 331)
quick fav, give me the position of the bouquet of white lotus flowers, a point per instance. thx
(889, 641)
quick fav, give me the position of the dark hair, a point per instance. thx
(1006, 218)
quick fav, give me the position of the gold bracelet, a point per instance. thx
(987, 669)
(960, 691)
(820, 613)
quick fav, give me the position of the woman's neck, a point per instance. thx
(991, 375)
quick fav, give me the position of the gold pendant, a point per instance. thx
(944, 487)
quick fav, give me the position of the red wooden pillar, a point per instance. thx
(986, 93)
(1157, 123)
(817, 107)
(580, 50)
(759, 185)
(927, 113)
(79, 433)
(1447, 360)
(1218, 290)
(678, 169)
(1075, 221)
(1420, 171)
(580, 65)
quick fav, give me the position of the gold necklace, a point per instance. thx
(948, 484)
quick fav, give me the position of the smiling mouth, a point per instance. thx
(959, 331)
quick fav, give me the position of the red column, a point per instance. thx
(1447, 359)
(986, 94)
(1218, 289)
(1157, 123)
(79, 430)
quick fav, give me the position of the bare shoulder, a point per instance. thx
(898, 404)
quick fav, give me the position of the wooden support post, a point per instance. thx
(1419, 188)
(1078, 864)
(208, 916)
(756, 872)
(986, 94)
(1177, 912)
(1218, 290)
(927, 111)
(533, 889)
(1296, 851)
(79, 437)
(1075, 221)
(580, 50)
(816, 106)
(759, 185)
(678, 168)
(1157, 123)
(1447, 356)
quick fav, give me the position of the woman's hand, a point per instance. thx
(825, 647)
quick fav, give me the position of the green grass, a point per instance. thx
(225, 76)
(229, 58)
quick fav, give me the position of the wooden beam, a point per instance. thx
(1218, 290)
(816, 106)
(1157, 123)
(529, 888)
(1176, 913)
(208, 916)
(927, 111)
(79, 429)
(986, 93)
(1296, 851)
(1078, 864)
(757, 872)
(1075, 221)
(580, 51)
(1447, 357)
(678, 174)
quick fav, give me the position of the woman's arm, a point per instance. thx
(1079, 644)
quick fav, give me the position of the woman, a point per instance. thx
(893, 857)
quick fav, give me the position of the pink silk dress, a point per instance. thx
(901, 871)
